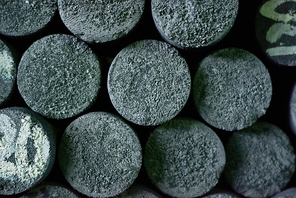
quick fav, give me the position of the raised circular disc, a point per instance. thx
(232, 89)
(7, 72)
(59, 76)
(49, 190)
(97, 21)
(100, 155)
(149, 82)
(194, 24)
(25, 17)
(184, 158)
(260, 160)
(276, 30)
(27, 150)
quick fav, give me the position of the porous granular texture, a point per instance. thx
(221, 195)
(27, 150)
(50, 190)
(184, 158)
(194, 24)
(100, 155)
(232, 89)
(7, 72)
(292, 109)
(25, 17)
(288, 193)
(97, 21)
(260, 160)
(149, 82)
(139, 191)
(59, 76)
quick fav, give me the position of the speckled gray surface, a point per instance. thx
(292, 109)
(100, 155)
(288, 193)
(49, 190)
(149, 82)
(194, 24)
(7, 72)
(232, 89)
(184, 158)
(260, 160)
(25, 17)
(139, 191)
(221, 195)
(59, 76)
(98, 21)
(27, 149)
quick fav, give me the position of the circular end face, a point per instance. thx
(27, 150)
(97, 21)
(232, 89)
(49, 191)
(289, 193)
(100, 155)
(276, 29)
(149, 82)
(59, 76)
(194, 24)
(138, 191)
(25, 17)
(260, 160)
(184, 158)
(7, 72)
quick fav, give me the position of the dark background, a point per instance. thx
(242, 35)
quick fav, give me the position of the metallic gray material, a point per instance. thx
(100, 155)
(194, 24)
(232, 89)
(27, 150)
(7, 72)
(149, 82)
(25, 17)
(139, 191)
(288, 193)
(49, 190)
(59, 76)
(260, 160)
(222, 195)
(184, 158)
(97, 21)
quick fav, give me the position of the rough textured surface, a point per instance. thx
(260, 160)
(7, 72)
(50, 190)
(98, 21)
(221, 195)
(59, 76)
(276, 30)
(292, 109)
(289, 193)
(27, 150)
(100, 155)
(138, 191)
(184, 158)
(24, 17)
(232, 89)
(194, 24)
(149, 82)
